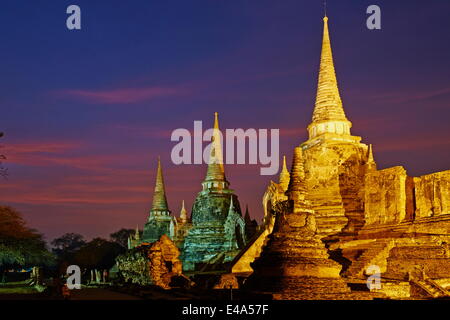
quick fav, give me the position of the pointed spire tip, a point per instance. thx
(159, 194)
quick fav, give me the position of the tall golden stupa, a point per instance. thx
(341, 228)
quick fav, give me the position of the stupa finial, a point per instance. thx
(215, 170)
(159, 195)
(370, 159)
(183, 212)
(328, 115)
(137, 235)
(284, 175)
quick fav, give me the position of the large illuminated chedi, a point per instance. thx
(340, 208)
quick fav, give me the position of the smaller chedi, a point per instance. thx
(161, 221)
(218, 230)
(295, 263)
(181, 228)
(135, 239)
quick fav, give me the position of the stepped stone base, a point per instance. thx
(418, 256)
(295, 263)
(363, 255)
(311, 288)
(241, 263)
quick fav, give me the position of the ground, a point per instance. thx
(22, 291)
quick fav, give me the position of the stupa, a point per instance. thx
(218, 230)
(295, 263)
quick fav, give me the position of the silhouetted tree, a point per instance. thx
(121, 236)
(20, 245)
(98, 254)
(67, 244)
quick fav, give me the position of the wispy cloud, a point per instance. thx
(122, 95)
(40, 147)
(143, 131)
(293, 132)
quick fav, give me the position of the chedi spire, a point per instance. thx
(137, 234)
(159, 195)
(297, 189)
(183, 213)
(371, 164)
(297, 179)
(215, 174)
(328, 115)
(284, 176)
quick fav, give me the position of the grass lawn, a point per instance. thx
(20, 287)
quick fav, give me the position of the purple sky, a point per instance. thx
(86, 113)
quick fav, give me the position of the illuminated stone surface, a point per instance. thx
(151, 264)
(218, 229)
(295, 263)
(274, 194)
(362, 217)
(227, 281)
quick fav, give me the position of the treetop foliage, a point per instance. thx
(20, 245)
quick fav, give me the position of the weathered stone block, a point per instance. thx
(385, 196)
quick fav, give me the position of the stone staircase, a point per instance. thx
(374, 252)
(251, 252)
(430, 288)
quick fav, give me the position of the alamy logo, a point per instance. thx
(374, 279)
(374, 21)
(74, 277)
(190, 147)
(73, 21)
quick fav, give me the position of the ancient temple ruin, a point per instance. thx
(156, 263)
(160, 220)
(331, 223)
(340, 208)
(218, 229)
(295, 263)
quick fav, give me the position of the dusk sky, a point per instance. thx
(86, 113)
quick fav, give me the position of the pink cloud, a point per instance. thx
(123, 95)
(293, 132)
(40, 146)
(144, 131)
(64, 153)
